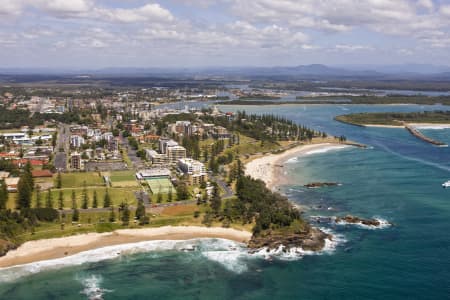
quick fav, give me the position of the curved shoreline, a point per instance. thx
(48, 249)
(269, 168)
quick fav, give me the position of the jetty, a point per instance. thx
(424, 138)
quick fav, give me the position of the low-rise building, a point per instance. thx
(156, 158)
(75, 161)
(195, 170)
(12, 183)
(154, 173)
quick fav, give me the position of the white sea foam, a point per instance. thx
(92, 287)
(282, 253)
(292, 160)
(208, 246)
(326, 149)
(383, 224)
(332, 219)
(231, 255)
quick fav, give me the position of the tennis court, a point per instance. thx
(160, 185)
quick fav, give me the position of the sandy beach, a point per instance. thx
(269, 168)
(424, 125)
(384, 126)
(40, 250)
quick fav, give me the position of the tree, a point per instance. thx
(125, 214)
(58, 181)
(29, 175)
(49, 201)
(85, 202)
(75, 215)
(94, 200)
(170, 195)
(112, 215)
(38, 197)
(61, 200)
(24, 193)
(140, 210)
(3, 195)
(216, 201)
(74, 200)
(182, 192)
(106, 200)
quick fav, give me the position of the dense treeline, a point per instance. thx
(269, 210)
(263, 127)
(16, 118)
(255, 203)
(394, 118)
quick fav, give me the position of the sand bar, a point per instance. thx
(48, 249)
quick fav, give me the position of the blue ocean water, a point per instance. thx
(398, 179)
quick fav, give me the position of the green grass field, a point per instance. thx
(118, 195)
(160, 186)
(122, 178)
(75, 180)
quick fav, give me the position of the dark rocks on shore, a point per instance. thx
(356, 220)
(311, 240)
(6, 246)
(320, 184)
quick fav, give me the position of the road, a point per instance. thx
(135, 160)
(223, 185)
(62, 143)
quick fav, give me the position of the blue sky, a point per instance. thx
(80, 34)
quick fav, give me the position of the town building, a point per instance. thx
(176, 153)
(76, 141)
(195, 171)
(75, 161)
(156, 158)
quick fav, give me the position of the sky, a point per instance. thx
(80, 34)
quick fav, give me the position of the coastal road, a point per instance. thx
(223, 185)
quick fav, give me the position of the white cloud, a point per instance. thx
(146, 13)
(427, 4)
(64, 7)
(10, 7)
(445, 10)
(352, 48)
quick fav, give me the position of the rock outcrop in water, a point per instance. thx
(320, 184)
(356, 220)
(312, 240)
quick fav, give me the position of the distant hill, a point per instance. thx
(306, 72)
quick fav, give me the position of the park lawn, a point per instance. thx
(118, 195)
(180, 210)
(75, 180)
(165, 198)
(122, 178)
(126, 158)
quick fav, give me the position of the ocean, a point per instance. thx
(397, 179)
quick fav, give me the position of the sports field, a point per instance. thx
(122, 178)
(160, 186)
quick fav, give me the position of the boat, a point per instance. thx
(446, 184)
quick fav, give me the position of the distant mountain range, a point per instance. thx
(313, 71)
